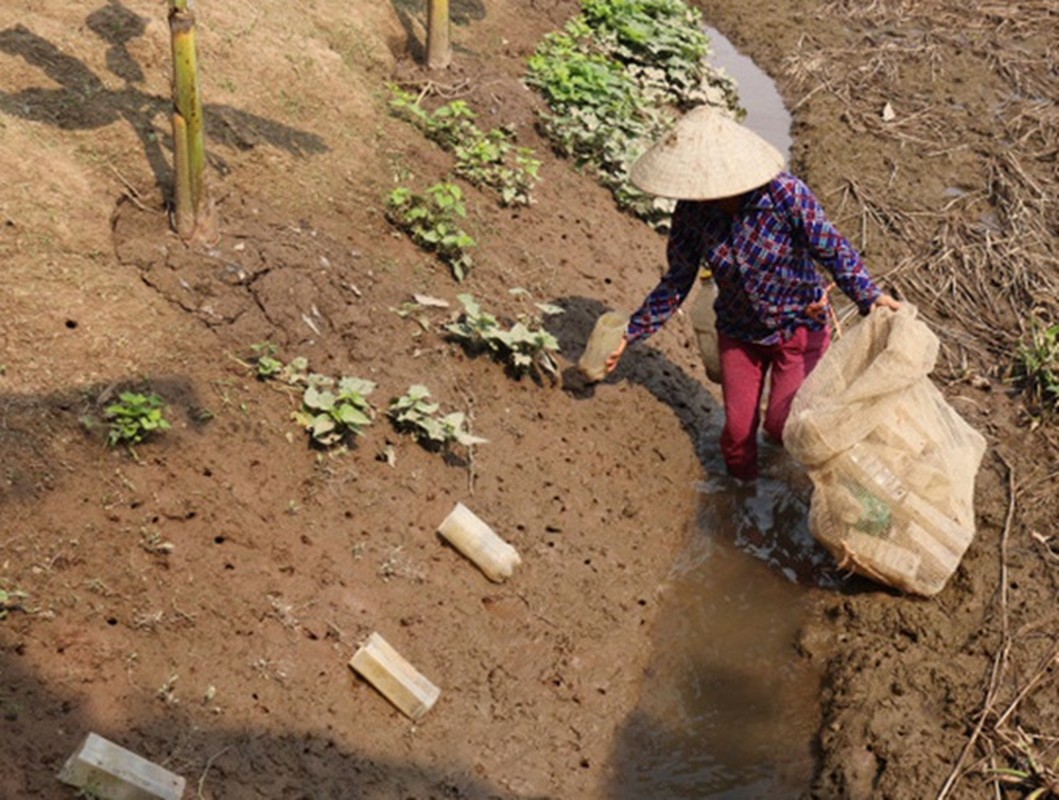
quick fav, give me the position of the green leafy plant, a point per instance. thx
(447, 125)
(1037, 364)
(491, 160)
(483, 158)
(432, 221)
(415, 413)
(524, 347)
(10, 601)
(333, 409)
(268, 366)
(614, 79)
(135, 417)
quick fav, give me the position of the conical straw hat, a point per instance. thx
(705, 156)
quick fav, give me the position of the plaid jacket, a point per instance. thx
(764, 260)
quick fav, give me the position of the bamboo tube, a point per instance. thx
(476, 540)
(439, 45)
(101, 768)
(188, 134)
(398, 681)
(183, 210)
(606, 336)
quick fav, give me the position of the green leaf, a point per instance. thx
(318, 400)
(349, 386)
(432, 429)
(351, 416)
(322, 424)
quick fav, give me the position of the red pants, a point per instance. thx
(743, 367)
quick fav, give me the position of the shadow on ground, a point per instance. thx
(83, 101)
(43, 728)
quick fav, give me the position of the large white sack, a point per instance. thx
(892, 463)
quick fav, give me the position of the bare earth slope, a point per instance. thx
(198, 600)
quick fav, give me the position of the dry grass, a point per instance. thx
(982, 263)
(978, 265)
(1001, 732)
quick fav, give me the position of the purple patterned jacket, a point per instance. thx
(764, 261)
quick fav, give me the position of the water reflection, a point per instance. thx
(766, 113)
(769, 519)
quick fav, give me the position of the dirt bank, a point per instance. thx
(198, 600)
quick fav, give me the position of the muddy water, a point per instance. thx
(729, 710)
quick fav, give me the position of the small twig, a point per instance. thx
(209, 763)
(429, 87)
(533, 611)
(472, 472)
(807, 96)
(130, 192)
(1040, 677)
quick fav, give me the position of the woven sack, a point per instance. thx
(892, 463)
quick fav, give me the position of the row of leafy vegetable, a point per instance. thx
(614, 79)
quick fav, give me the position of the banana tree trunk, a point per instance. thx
(193, 212)
(439, 46)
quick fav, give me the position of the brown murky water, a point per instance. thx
(729, 710)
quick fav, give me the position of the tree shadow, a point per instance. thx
(44, 727)
(83, 101)
(117, 25)
(690, 400)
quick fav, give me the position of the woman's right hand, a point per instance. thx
(886, 301)
(615, 357)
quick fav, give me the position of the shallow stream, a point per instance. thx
(729, 710)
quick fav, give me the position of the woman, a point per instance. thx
(761, 232)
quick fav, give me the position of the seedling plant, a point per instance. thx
(10, 600)
(268, 366)
(1037, 364)
(416, 414)
(135, 417)
(1034, 778)
(483, 158)
(525, 347)
(432, 221)
(615, 77)
(334, 409)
